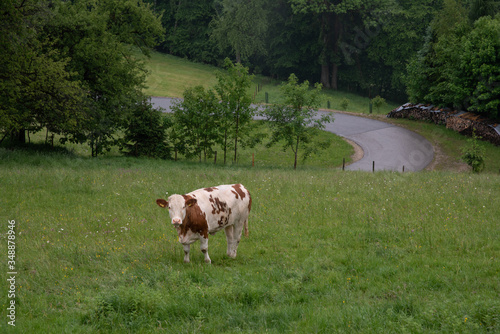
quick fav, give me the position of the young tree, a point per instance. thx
(295, 123)
(474, 153)
(235, 102)
(196, 120)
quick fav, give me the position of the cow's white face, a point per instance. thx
(176, 205)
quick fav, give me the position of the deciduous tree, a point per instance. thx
(196, 120)
(458, 65)
(296, 122)
(101, 39)
(36, 88)
(235, 101)
(338, 19)
(241, 25)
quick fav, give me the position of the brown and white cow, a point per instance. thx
(207, 211)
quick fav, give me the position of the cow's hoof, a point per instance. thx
(208, 261)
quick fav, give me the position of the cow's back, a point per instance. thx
(223, 205)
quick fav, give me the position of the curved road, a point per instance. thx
(390, 147)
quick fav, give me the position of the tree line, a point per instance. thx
(372, 47)
(71, 67)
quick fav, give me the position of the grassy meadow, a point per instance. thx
(169, 76)
(328, 251)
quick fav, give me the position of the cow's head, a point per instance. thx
(177, 206)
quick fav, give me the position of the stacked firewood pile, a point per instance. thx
(460, 121)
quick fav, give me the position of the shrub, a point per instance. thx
(473, 154)
(378, 102)
(344, 103)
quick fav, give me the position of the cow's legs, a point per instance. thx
(231, 251)
(238, 229)
(204, 249)
(186, 253)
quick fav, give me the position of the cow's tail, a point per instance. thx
(246, 228)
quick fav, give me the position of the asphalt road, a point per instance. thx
(387, 146)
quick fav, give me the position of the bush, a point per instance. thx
(378, 102)
(473, 154)
(344, 103)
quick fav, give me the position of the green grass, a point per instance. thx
(276, 157)
(169, 76)
(328, 251)
(273, 157)
(357, 103)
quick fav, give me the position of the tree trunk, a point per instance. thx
(335, 71)
(337, 29)
(18, 137)
(199, 148)
(325, 76)
(325, 54)
(225, 145)
(177, 15)
(236, 138)
(296, 153)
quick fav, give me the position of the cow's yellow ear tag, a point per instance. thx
(191, 202)
(162, 203)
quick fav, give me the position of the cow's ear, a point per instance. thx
(191, 202)
(162, 203)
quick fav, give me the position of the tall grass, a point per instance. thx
(328, 251)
